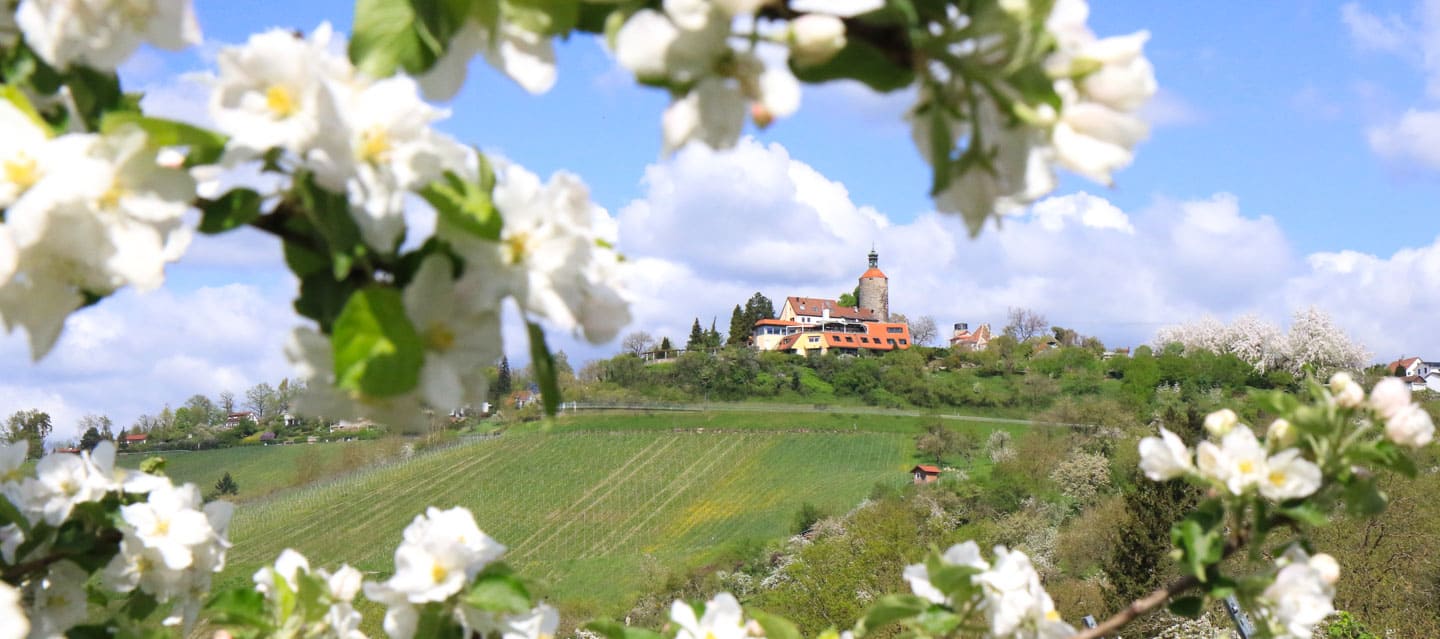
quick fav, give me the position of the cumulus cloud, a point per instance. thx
(1408, 139)
(714, 227)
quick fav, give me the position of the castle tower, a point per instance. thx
(875, 289)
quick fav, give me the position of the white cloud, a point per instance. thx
(1370, 32)
(1093, 212)
(1167, 109)
(1409, 138)
(1413, 138)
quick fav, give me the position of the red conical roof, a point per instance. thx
(874, 272)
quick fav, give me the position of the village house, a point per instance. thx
(965, 339)
(925, 473)
(1420, 374)
(133, 438)
(812, 325)
(235, 419)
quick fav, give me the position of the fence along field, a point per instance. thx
(592, 506)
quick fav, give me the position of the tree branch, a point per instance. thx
(1150, 602)
(16, 573)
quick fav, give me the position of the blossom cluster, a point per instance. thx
(101, 34)
(1313, 341)
(1302, 594)
(84, 215)
(1008, 592)
(170, 543)
(1014, 144)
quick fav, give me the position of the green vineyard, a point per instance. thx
(596, 507)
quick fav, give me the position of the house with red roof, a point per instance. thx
(925, 473)
(133, 438)
(1420, 374)
(814, 325)
(966, 339)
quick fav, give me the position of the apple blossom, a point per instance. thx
(1301, 596)
(13, 623)
(723, 619)
(815, 38)
(460, 329)
(1390, 396)
(288, 566)
(104, 33)
(1281, 433)
(1165, 457)
(1014, 602)
(962, 554)
(1346, 391)
(59, 600)
(1221, 422)
(61, 481)
(279, 91)
(170, 522)
(1289, 476)
(441, 552)
(11, 536)
(1238, 462)
(1410, 426)
(526, 57)
(24, 139)
(841, 8)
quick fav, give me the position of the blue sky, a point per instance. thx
(1289, 164)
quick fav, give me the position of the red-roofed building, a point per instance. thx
(1405, 366)
(133, 438)
(816, 325)
(846, 339)
(815, 310)
(925, 473)
(966, 339)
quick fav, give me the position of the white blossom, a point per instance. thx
(20, 165)
(962, 554)
(169, 521)
(288, 567)
(1301, 596)
(441, 552)
(1165, 457)
(460, 329)
(279, 91)
(723, 619)
(1281, 433)
(1390, 397)
(1289, 476)
(815, 38)
(13, 623)
(1346, 391)
(59, 600)
(1014, 602)
(526, 57)
(1221, 422)
(1411, 426)
(341, 588)
(61, 481)
(103, 215)
(11, 536)
(104, 33)
(1238, 463)
(841, 8)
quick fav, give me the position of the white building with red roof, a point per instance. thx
(817, 325)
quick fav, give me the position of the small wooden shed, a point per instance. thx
(925, 473)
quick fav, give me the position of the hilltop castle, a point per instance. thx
(815, 325)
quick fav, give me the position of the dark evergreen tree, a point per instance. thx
(227, 485)
(502, 381)
(1139, 560)
(697, 336)
(713, 338)
(758, 307)
(740, 326)
(90, 439)
(665, 344)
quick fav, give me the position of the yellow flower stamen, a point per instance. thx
(1277, 477)
(375, 146)
(162, 527)
(22, 171)
(439, 338)
(280, 101)
(516, 247)
(111, 198)
(1247, 466)
(438, 572)
(1052, 615)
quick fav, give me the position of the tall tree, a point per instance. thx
(90, 439)
(923, 330)
(697, 336)
(31, 425)
(1023, 323)
(712, 336)
(847, 300)
(637, 343)
(260, 399)
(203, 411)
(665, 344)
(100, 423)
(503, 382)
(759, 307)
(740, 325)
(227, 402)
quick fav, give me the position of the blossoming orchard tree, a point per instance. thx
(94, 196)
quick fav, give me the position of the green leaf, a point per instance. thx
(937, 621)
(545, 17)
(205, 146)
(466, 205)
(238, 607)
(890, 609)
(502, 594)
(1363, 497)
(89, 631)
(322, 298)
(153, 465)
(436, 623)
(96, 93)
(385, 39)
(1198, 547)
(16, 97)
(615, 630)
(858, 61)
(234, 209)
(1187, 606)
(1306, 513)
(544, 364)
(329, 213)
(776, 627)
(139, 605)
(377, 351)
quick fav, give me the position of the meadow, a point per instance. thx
(611, 502)
(262, 470)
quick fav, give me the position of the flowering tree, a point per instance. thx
(1314, 342)
(322, 150)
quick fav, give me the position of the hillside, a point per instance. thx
(590, 499)
(262, 470)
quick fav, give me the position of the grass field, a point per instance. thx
(590, 506)
(262, 470)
